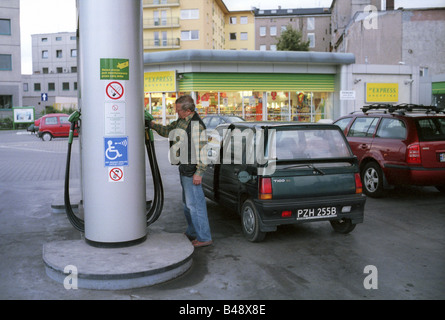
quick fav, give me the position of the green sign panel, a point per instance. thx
(114, 69)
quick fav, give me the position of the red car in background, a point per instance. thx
(55, 125)
(397, 145)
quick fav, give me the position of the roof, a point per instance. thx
(248, 56)
(291, 12)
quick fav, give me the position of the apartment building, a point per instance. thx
(240, 30)
(54, 78)
(377, 33)
(182, 25)
(10, 57)
(313, 23)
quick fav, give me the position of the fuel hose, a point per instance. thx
(77, 223)
(157, 204)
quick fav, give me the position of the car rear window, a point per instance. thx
(431, 129)
(391, 129)
(64, 120)
(311, 144)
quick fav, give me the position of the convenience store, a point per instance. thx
(256, 85)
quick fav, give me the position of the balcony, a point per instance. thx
(161, 23)
(160, 3)
(164, 44)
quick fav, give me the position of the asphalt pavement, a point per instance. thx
(397, 253)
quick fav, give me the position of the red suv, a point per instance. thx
(55, 125)
(397, 145)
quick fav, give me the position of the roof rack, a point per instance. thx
(402, 108)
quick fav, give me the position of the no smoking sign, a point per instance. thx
(116, 174)
(115, 91)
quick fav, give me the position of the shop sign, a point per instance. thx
(163, 81)
(382, 92)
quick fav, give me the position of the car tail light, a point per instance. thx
(358, 183)
(265, 188)
(286, 214)
(413, 154)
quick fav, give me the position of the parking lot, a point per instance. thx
(397, 253)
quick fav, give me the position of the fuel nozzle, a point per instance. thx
(148, 119)
(74, 119)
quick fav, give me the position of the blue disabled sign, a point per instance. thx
(116, 152)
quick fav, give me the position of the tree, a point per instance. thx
(291, 40)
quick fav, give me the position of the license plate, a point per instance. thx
(316, 213)
(442, 157)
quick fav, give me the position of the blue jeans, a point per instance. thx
(195, 210)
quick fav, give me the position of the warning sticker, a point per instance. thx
(114, 69)
(116, 174)
(115, 91)
(116, 151)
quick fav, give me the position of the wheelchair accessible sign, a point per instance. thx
(116, 151)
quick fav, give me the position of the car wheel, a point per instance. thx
(47, 136)
(250, 221)
(372, 177)
(441, 188)
(343, 225)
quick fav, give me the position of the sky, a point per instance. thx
(51, 16)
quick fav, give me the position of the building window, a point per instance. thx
(45, 54)
(37, 87)
(311, 23)
(311, 38)
(232, 20)
(188, 14)
(233, 36)
(243, 36)
(5, 27)
(73, 53)
(59, 54)
(190, 35)
(5, 102)
(273, 47)
(59, 70)
(156, 39)
(243, 20)
(58, 38)
(273, 30)
(5, 62)
(65, 86)
(164, 38)
(262, 31)
(73, 38)
(263, 47)
(51, 86)
(45, 70)
(73, 69)
(25, 87)
(44, 39)
(75, 86)
(423, 71)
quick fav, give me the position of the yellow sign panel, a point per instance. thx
(382, 92)
(163, 81)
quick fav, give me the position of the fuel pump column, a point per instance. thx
(112, 133)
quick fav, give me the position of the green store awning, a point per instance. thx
(438, 87)
(256, 82)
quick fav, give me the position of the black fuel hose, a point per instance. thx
(156, 205)
(158, 200)
(77, 223)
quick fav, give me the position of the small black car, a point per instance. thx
(275, 173)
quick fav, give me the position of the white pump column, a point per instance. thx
(112, 121)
